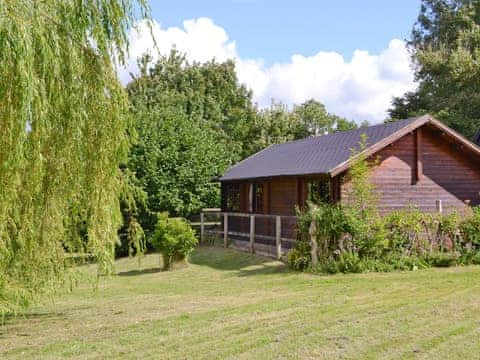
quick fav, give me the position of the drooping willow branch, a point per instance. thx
(63, 133)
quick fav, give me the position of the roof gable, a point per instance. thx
(329, 154)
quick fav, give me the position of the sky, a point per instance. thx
(350, 55)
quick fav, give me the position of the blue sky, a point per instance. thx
(274, 30)
(349, 55)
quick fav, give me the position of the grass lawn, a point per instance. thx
(229, 304)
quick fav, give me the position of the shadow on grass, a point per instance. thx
(236, 261)
(140, 272)
(12, 320)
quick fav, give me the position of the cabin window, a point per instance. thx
(319, 191)
(255, 198)
(232, 197)
(258, 200)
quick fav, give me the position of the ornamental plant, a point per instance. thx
(174, 239)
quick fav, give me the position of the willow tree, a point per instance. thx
(63, 134)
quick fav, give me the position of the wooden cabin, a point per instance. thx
(418, 161)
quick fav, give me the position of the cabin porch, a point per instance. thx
(271, 235)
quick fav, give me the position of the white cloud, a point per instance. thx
(358, 89)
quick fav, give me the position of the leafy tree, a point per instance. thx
(63, 117)
(344, 124)
(311, 118)
(276, 124)
(272, 125)
(445, 43)
(191, 120)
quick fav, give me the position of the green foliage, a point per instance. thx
(353, 263)
(344, 124)
(445, 43)
(404, 230)
(361, 190)
(443, 259)
(311, 118)
(187, 134)
(173, 238)
(362, 206)
(470, 228)
(469, 257)
(63, 135)
(332, 224)
(349, 262)
(402, 240)
(133, 205)
(277, 124)
(298, 258)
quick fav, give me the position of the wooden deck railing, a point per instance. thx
(271, 228)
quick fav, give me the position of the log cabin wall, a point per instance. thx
(421, 168)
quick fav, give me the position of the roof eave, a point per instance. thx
(399, 134)
(374, 148)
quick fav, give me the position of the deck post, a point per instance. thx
(252, 233)
(439, 206)
(202, 227)
(225, 230)
(278, 236)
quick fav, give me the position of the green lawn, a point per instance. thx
(229, 304)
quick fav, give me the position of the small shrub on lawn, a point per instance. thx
(173, 238)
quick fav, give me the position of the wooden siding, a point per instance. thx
(421, 168)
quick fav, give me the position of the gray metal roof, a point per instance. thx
(313, 155)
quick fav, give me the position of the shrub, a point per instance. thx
(470, 228)
(173, 238)
(443, 259)
(351, 263)
(404, 231)
(299, 257)
(403, 262)
(469, 257)
(448, 229)
(332, 224)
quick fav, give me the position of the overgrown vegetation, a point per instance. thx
(354, 237)
(64, 131)
(404, 240)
